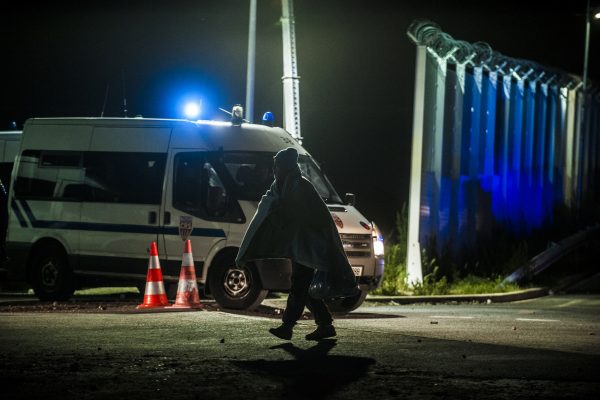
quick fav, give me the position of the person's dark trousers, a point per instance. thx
(298, 298)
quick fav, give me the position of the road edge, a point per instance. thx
(461, 298)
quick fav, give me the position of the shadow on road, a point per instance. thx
(275, 313)
(313, 373)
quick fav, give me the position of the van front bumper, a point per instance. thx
(372, 271)
(275, 274)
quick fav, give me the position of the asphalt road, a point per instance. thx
(544, 348)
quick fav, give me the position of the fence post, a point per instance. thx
(413, 257)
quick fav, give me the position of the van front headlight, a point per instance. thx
(378, 248)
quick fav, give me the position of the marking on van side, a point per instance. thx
(100, 227)
(17, 212)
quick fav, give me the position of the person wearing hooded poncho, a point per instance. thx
(292, 221)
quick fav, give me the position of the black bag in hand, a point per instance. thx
(320, 286)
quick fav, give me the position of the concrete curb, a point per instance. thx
(464, 298)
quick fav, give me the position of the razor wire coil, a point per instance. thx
(480, 54)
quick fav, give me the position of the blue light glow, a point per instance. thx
(192, 110)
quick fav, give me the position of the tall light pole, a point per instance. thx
(587, 46)
(584, 130)
(588, 21)
(291, 80)
(251, 62)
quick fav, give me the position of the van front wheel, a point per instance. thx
(236, 287)
(52, 278)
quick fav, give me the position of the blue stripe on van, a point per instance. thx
(121, 228)
(195, 232)
(17, 212)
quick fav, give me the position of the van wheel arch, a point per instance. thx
(49, 272)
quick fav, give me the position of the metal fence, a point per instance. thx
(499, 144)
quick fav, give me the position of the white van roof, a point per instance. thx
(9, 145)
(127, 133)
(10, 135)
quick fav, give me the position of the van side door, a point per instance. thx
(197, 188)
(124, 174)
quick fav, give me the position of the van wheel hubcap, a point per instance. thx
(236, 282)
(49, 274)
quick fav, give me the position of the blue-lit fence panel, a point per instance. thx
(489, 94)
(556, 133)
(540, 155)
(502, 151)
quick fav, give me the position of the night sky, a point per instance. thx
(354, 58)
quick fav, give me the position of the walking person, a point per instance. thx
(292, 221)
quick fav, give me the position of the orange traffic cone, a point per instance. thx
(187, 289)
(154, 296)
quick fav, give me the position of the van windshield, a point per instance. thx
(252, 173)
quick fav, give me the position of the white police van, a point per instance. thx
(9, 147)
(89, 195)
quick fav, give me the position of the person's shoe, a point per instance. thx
(282, 332)
(322, 332)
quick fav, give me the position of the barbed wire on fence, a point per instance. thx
(480, 54)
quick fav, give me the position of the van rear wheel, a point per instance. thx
(236, 287)
(52, 279)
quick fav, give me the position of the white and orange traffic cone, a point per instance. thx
(187, 289)
(155, 295)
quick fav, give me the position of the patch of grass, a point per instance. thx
(394, 275)
(472, 284)
(105, 291)
(100, 291)
(434, 283)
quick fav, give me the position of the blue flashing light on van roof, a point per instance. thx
(268, 118)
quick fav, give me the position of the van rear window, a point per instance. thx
(124, 177)
(105, 177)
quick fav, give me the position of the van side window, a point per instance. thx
(123, 177)
(252, 173)
(91, 176)
(319, 181)
(198, 189)
(48, 175)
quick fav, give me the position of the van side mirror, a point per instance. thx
(350, 199)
